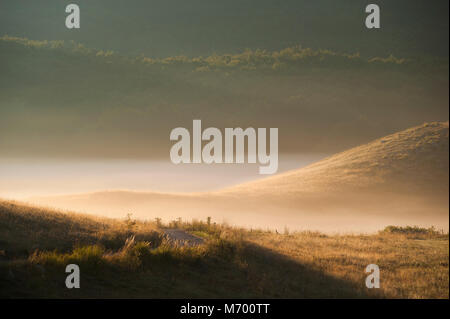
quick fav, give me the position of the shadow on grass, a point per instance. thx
(268, 274)
(221, 270)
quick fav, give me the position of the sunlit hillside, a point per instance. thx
(411, 162)
(399, 179)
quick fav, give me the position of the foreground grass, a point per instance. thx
(413, 261)
(133, 259)
(409, 268)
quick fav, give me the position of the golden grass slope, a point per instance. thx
(416, 159)
(25, 228)
(232, 263)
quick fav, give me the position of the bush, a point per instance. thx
(413, 231)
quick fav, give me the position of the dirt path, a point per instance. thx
(182, 238)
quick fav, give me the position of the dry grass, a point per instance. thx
(413, 261)
(25, 229)
(409, 267)
(128, 258)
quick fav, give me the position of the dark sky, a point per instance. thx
(201, 27)
(66, 103)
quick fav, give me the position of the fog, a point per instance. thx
(400, 179)
(24, 178)
(329, 213)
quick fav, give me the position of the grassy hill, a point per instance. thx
(36, 244)
(411, 161)
(25, 229)
(398, 179)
